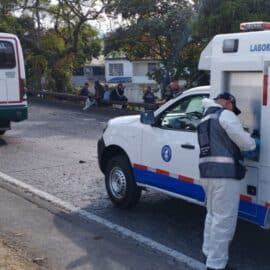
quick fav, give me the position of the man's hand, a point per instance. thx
(253, 154)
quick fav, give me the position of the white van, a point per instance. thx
(160, 150)
(13, 104)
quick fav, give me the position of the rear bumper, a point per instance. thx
(14, 113)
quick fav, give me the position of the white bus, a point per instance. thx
(13, 104)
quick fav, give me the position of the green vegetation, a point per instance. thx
(175, 32)
(57, 37)
(159, 29)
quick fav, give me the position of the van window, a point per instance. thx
(7, 55)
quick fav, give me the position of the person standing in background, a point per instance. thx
(149, 98)
(173, 89)
(84, 91)
(99, 92)
(90, 101)
(119, 93)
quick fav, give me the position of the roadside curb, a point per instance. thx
(48, 201)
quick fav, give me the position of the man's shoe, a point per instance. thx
(227, 268)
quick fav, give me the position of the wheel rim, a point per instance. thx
(118, 183)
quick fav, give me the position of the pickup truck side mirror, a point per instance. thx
(148, 118)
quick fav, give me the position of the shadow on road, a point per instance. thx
(174, 223)
(105, 250)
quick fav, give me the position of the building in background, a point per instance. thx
(115, 69)
(90, 72)
(134, 74)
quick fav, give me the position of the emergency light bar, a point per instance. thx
(254, 26)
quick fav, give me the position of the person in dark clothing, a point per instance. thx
(118, 94)
(90, 101)
(172, 90)
(149, 96)
(149, 99)
(84, 91)
(99, 91)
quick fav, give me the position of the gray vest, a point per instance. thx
(220, 157)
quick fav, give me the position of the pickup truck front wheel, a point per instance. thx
(120, 184)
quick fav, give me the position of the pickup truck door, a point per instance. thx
(170, 151)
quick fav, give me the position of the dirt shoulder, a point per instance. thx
(13, 257)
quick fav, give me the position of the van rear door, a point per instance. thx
(247, 89)
(9, 71)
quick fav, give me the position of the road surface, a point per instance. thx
(55, 151)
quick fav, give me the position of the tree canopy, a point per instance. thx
(57, 36)
(175, 32)
(225, 16)
(156, 29)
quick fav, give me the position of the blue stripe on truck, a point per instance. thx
(247, 210)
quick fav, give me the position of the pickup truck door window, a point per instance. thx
(184, 115)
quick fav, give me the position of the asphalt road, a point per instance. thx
(55, 151)
(57, 240)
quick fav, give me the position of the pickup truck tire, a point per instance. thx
(2, 132)
(120, 184)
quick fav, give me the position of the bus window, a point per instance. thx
(7, 55)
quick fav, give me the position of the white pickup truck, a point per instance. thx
(159, 150)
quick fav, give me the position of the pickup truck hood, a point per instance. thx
(123, 120)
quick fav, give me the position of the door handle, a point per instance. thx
(188, 146)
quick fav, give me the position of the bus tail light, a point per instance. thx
(23, 90)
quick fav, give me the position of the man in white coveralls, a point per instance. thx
(221, 140)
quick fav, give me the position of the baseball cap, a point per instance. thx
(230, 97)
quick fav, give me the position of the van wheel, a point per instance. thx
(2, 132)
(120, 184)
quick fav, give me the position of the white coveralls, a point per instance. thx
(223, 196)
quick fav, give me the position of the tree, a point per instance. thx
(225, 16)
(70, 41)
(188, 64)
(217, 17)
(74, 15)
(156, 29)
(53, 50)
(81, 42)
